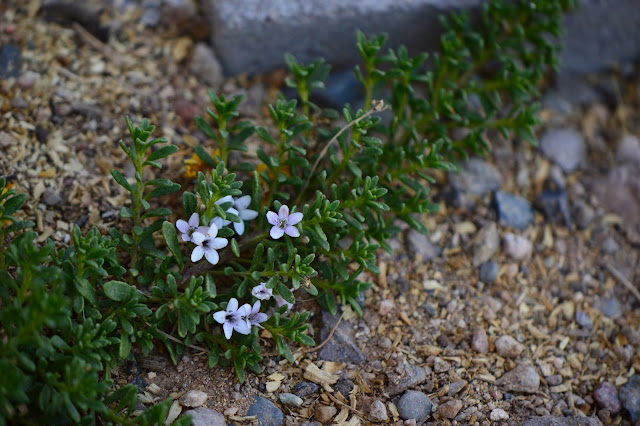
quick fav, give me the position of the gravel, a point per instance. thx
(606, 395)
(268, 414)
(630, 397)
(565, 147)
(513, 210)
(508, 347)
(480, 341)
(378, 411)
(523, 378)
(414, 405)
(450, 409)
(202, 416)
(488, 272)
(193, 398)
(290, 399)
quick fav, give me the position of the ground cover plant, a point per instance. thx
(307, 214)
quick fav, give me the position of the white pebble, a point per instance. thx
(499, 414)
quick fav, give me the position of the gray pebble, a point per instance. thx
(606, 395)
(565, 147)
(517, 246)
(413, 375)
(28, 79)
(583, 320)
(342, 346)
(610, 307)
(610, 245)
(193, 398)
(488, 272)
(480, 341)
(554, 380)
(513, 210)
(268, 414)
(414, 405)
(10, 61)
(456, 387)
(630, 397)
(430, 309)
(378, 412)
(51, 197)
(477, 177)
(523, 378)
(305, 389)
(205, 66)
(563, 421)
(202, 416)
(488, 243)
(508, 347)
(420, 244)
(290, 399)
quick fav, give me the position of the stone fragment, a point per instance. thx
(420, 244)
(487, 244)
(488, 272)
(341, 347)
(630, 397)
(413, 375)
(450, 409)
(554, 379)
(290, 399)
(477, 177)
(10, 61)
(508, 347)
(517, 246)
(324, 413)
(378, 412)
(498, 414)
(193, 398)
(563, 421)
(513, 210)
(440, 365)
(456, 387)
(344, 386)
(414, 405)
(565, 147)
(51, 197)
(305, 389)
(28, 79)
(610, 245)
(523, 378)
(205, 66)
(610, 307)
(480, 341)
(268, 414)
(583, 320)
(606, 395)
(202, 416)
(554, 204)
(7, 140)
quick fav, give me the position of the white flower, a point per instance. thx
(241, 206)
(280, 301)
(207, 244)
(254, 316)
(233, 319)
(262, 292)
(188, 228)
(284, 223)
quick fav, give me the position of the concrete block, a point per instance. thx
(252, 35)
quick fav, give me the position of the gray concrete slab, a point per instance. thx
(252, 35)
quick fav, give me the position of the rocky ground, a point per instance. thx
(520, 307)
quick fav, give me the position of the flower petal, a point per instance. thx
(284, 211)
(226, 199)
(232, 306)
(194, 220)
(291, 231)
(239, 227)
(182, 226)
(218, 243)
(220, 316)
(295, 218)
(258, 317)
(243, 202)
(197, 254)
(242, 327)
(276, 232)
(213, 231)
(248, 214)
(245, 309)
(186, 238)
(272, 218)
(228, 330)
(198, 237)
(212, 257)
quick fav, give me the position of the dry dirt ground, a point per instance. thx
(567, 302)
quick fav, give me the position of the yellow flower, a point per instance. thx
(195, 164)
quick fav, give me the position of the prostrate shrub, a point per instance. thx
(308, 214)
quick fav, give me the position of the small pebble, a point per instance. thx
(630, 397)
(420, 244)
(517, 246)
(565, 147)
(430, 309)
(290, 399)
(606, 395)
(554, 380)
(378, 412)
(202, 416)
(268, 414)
(324, 413)
(193, 398)
(456, 387)
(28, 79)
(305, 389)
(513, 210)
(583, 320)
(450, 409)
(610, 245)
(51, 197)
(488, 272)
(440, 365)
(523, 378)
(508, 347)
(498, 414)
(386, 306)
(414, 405)
(610, 307)
(480, 341)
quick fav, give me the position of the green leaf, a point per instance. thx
(119, 177)
(161, 211)
(165, 151)
(85, 288)
(204, 156)
(171, 238)
(14, 203)
(118, 291)
(126, 212)
(234, 247)
(189, 203)
(265, 135)
(125, 346)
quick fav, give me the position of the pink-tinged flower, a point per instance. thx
(284, 223)
(280, 301)
(188, 228)
(233, 319)
(244, 212)
(207, 244)
(262, 292)
(254, 316)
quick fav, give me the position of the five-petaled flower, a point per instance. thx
(284, 223)
(188, 228)
(262, 292)
(254, 316)
(281, 302)
(234, 318)
(207, 244)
